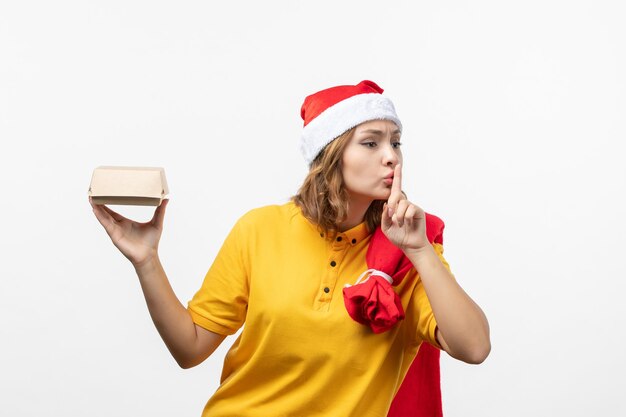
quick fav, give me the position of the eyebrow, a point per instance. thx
(379, 132)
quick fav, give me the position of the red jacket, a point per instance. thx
(375, 304)
(420, 392)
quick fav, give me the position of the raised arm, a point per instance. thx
(463, 330)
(188, 343)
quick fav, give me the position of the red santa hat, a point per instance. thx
(330, 112)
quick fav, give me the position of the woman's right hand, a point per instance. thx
(138, 242)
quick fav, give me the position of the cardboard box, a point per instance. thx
(135, 186)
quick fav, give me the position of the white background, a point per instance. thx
(514, 131)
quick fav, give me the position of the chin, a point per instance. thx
(373, 193)
(382, 195)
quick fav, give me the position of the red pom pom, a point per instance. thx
(374, 303)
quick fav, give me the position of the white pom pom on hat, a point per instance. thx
(330, 112)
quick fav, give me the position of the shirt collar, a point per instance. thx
(353, 235)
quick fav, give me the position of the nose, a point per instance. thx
(390, 156)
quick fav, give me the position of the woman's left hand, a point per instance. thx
(403, 222)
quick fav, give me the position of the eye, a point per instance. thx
(369, 144)
(396, 144)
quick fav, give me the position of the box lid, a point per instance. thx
(124, 181)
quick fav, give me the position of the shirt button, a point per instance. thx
(339, 239)
(353, 241)
(326, 290)
(333, 263)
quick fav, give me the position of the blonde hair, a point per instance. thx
(323, 197)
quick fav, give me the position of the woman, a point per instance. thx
(288, 272)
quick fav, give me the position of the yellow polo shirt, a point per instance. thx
(299, 353)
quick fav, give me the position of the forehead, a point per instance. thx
(377, 126)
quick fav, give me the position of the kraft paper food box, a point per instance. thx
(133, 186)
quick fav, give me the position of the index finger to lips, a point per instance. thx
(396, 185)
(396, 190)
